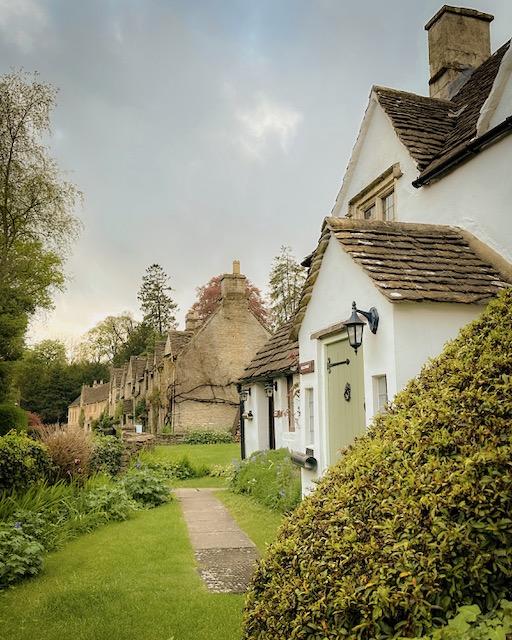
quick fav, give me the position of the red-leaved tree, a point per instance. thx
(208, 296)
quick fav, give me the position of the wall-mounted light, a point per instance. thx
(355, 325)
(244, 394)
(247, 415)
(270, 387)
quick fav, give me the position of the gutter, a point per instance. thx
(470, 149)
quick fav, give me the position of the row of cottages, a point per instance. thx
(419, 240)
(90, 405)
(190, 381)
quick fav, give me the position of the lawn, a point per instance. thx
(135, 579)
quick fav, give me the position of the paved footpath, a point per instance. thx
(224, 553)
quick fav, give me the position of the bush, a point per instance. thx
(20, 554)
(207, 436)
(146, 486)
(22, 461)
(270, 477)
(415, 520)
(12, 417)
(106, 455)
(112, 500)
(70, 450)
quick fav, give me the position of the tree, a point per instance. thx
(156, 304)
(286, 281)
(107, 338)
(208, 297)
(37, 224)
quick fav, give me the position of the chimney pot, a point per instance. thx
(458, 41)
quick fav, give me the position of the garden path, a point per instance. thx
(224, 553)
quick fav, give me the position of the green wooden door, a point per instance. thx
(345, 397)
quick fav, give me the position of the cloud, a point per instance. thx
(266, 123)
(21, 21)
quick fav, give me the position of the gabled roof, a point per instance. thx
(177, 341)
(277, 357)
(412, 262)
(434, 131)
(98, 393)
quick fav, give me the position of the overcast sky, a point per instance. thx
(203, 131)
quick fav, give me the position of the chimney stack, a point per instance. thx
(233, 285)
(192, 321)
(458, 41)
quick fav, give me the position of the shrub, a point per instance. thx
(20, 554)
(415, 519)
(112, 500)
(270, 477)
(146, 486)
(70, 450)
(106, 455)
(207, 436)
(12, 417)
(22, 461)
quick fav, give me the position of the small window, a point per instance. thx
(310, 416)
(377, 201)
(380, 393)
(388, 207)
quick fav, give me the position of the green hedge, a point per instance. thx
(22, 461)
(12, 417)
(415, 521)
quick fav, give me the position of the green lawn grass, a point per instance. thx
(137, 579)
(125, 581)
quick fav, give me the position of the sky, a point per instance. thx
(204, 131)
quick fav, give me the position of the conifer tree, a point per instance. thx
(157, 306)
(286, 280)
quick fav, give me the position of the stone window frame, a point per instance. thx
(374, 195)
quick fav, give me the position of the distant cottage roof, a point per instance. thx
(98, 393)
(177, 341)
(435, 131)
(411, 262)
(277, 357)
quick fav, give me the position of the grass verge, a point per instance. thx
(126, 581)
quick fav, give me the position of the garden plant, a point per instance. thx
(415, 521)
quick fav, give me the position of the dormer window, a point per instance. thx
(377, 201)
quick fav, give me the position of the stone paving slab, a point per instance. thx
(224, 553)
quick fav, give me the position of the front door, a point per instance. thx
(345, 397)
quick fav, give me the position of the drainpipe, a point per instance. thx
(470, 149)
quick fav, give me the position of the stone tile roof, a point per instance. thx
(99, 393)
(178, 341)
(277, 357)
(435, 130)
(411, 262)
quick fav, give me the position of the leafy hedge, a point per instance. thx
(416, 519)
(207, 436)
(12, 417)
(22, 461)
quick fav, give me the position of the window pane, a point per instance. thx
(369, 214)
(388, 207)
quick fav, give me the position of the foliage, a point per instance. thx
(48, 384)
(20, 554)
(141, 341)
(70, 449)
(207, 436)
(104, 424)
(270, 477)
(208, 298)
(415, 519)
(148, 487)
(107, 338)
(36, 205)
(12, 417)
(22, 461)
(158, 308)
(106, 455)
(471, 624)
(286, 280)
(111, 500)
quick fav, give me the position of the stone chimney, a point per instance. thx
(233, 285)
(458, 41)
(192, 321)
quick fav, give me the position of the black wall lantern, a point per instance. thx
(269, 388)
(355, 325)
(244, 394)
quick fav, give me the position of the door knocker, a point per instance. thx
(347, 392)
